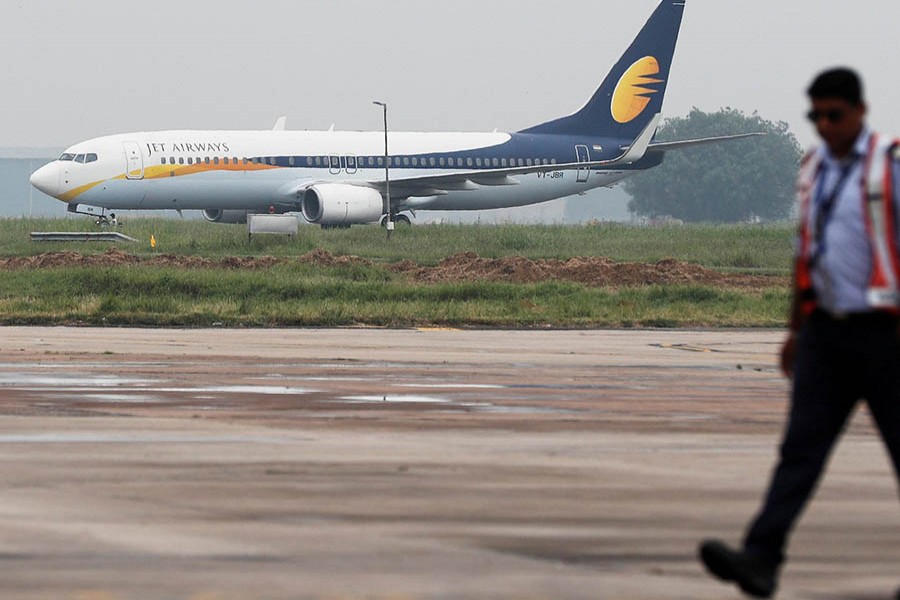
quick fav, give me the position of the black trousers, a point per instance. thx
(838, 363)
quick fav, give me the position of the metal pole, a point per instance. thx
(389, 223)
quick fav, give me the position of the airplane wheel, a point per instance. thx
(397, 219)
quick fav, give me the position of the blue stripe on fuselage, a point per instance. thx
(521, 147)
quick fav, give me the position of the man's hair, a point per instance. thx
(840, 83)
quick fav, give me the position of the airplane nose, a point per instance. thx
(46, 179)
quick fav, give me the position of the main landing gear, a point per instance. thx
(399, 219)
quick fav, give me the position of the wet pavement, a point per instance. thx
(207, 464)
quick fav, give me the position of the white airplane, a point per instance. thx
(337, 179)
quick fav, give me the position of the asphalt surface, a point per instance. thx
(220, 464)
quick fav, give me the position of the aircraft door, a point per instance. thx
(134, 161)
(583, 155)
(350, 161)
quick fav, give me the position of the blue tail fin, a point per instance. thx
(633, 90)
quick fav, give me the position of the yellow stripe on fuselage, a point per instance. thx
(75, 192)
(163, 171)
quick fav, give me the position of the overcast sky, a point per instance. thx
(76, 70)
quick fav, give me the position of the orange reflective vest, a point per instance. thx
(883, 292)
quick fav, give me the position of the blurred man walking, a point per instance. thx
(844, 339)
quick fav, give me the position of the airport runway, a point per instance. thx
(226, 464)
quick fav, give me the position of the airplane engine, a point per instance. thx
(225, 216)
(336, 204)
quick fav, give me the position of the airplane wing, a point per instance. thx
(440, 185)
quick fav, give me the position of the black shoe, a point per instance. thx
(754, 577)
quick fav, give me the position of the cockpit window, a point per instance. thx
(89, 158)
(79, 158)
(66, 156)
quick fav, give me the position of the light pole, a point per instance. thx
(389, 224)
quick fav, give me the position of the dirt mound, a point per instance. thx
(111, 257)
(466, 266)
(324, 258)
(116, 257)
(595, 271)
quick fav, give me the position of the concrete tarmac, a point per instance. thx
(360, 463)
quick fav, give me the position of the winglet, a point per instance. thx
(280, 124)
(639, 146)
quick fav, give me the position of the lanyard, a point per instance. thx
(825, 204)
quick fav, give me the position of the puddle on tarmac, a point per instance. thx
(407, 399)
(455, 386)
(486, 407)
(275, 376)
(74, 380)
(267, 390)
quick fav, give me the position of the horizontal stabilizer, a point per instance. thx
(666, 146)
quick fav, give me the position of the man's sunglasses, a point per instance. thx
(833, 116)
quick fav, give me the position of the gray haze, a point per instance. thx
(79, 70)
(76, 70)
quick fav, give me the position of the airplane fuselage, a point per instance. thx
(341, 178)
(237, 170)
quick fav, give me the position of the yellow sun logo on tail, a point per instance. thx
(632, 96)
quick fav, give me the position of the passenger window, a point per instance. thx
(405, 161)
(272, 160)
(215, 160)
(441, 161)
(415, 161)
(469, 162)
(162, 160)
(431, 161)
(180, 160)
(477, 162)
(380, 161)
(206, 160)
(503, 162)
(529, 162)
(552, 161)
(171, 160)
(190, 160)
(225, 160)
(496, 162)
(291, 161)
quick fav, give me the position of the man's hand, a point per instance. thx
(788, 353)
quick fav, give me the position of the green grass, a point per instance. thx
(293, 294)
(303, 295)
